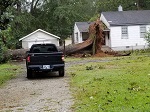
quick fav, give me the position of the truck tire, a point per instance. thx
(29, 74)
(61, 72)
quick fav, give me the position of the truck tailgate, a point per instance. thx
(46, 58)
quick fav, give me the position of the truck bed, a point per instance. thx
(45, 58)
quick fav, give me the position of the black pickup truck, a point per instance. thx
(44, 58)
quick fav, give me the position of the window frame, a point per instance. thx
(142, 33)
(124, 32)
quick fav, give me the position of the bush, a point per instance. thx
(147, 37)
(4, 57)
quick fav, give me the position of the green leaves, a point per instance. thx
(112, 5)
(147, 37)
(5, 16)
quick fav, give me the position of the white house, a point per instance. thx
(81, 31)
(126, 29)
(39, 37)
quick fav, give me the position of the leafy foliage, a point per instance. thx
(147, 38)
(3, 57)
(5, 17)
(112, 5)
(54, 16)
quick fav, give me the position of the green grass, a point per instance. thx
(121, 85)
(7, 72)
(69, 59)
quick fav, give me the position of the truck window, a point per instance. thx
(44, 49)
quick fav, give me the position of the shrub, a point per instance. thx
(4, 57)
(147, 37)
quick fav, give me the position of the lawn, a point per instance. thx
(7, 72)
(120, 85)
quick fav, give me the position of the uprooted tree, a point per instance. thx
(94, 43)
(95, 40)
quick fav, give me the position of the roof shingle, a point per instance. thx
(83, 26)
(120, 18)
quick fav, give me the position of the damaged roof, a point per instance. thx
(120, 18)
(83, 26)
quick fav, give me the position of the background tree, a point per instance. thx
(5, 18)
(4, 14)
(112, 5)
(55, 16)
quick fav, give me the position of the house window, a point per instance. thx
(124, 31)
(142, 31)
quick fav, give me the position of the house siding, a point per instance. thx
(76, 31)
(107, 40)
(132, 42)
(102, 18)
(25, 44)
(79, 39)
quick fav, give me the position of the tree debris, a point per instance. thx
(95, 40)
(92, 44)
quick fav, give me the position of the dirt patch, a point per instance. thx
(102, 54)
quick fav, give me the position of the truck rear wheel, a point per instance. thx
(29, 73)
(61, 72)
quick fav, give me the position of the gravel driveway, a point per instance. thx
(48, 93)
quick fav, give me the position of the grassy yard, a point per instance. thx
(120, 85)
(7, 72)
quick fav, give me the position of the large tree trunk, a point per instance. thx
(95, 38)
(96, 33)
(70, 49)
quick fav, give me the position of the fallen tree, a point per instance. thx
(94, 43)
(95, 40)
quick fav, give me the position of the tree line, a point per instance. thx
(21, 17)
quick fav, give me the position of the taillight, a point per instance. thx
(28, 59)
(62, 57)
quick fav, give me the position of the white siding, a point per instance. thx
(76, 34)
(107, 40)
(76, 31)
(38, 42)
(25, 45)
(38, 38)
(103, 19)
(80, 38)
(133, 40)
